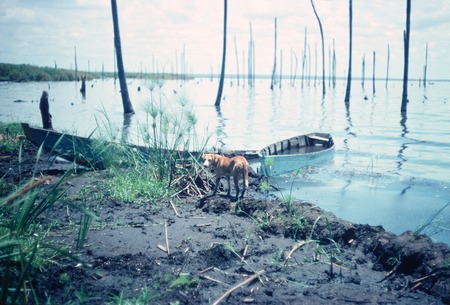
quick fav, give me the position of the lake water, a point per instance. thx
(387, 170)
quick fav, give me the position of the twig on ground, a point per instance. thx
(167, 237)
(162, 248)
(243, 283)
(174, 208)
(199, 225)
(211, 279)
(244, 253)
(297, 246)
(38, 182)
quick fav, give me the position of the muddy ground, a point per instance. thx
(249, 252)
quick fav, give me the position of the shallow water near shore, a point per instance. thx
(387, 169)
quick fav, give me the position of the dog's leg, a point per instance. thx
(217, 185)
(236, 185)
(245, 178)
(229, 186)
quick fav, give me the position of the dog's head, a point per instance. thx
(210, 160)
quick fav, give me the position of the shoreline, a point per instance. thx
(207, 250)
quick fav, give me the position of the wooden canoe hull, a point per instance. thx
(72, 148)
(276, 159)
(294, 153)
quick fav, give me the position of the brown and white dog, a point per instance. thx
(236, 167)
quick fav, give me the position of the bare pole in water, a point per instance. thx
(274, 57)
(387, 66)
(237, 60)
(406, 35)
(76, 65)
(425, 68)
(250, 58)
(363, 70)
(281, 68)
(349, 76)
(334, 66)
(224, 50)
(373, 76)
(323, 49)
(304, 59)
(127, 107)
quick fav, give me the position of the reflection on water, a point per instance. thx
(383, 172)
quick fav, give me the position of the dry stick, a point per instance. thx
(294, 248)
(243, 283)
(424, 278)
(174, 208)
(46, 179)
(244, 254)
(167, 237)
(211, 279)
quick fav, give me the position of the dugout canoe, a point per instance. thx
(80, 150)
(291, 154)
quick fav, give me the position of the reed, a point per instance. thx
(429, 224)
(9, 136)
(24, 229)
(164, 162)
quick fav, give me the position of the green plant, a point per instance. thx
(262, 223)
(184, 281)
(288, 199)
(9, 132)
(162, 163)
(24, 229)
(428, 224)
(265, 186)
(299, 225)
(64, 278)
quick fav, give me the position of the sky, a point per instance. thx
(156, 33)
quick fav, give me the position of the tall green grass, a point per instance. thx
(162, 157)
(24, 248)
(9, 141)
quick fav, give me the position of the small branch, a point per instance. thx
(167, 237)
(38, 182)
(211, 279)
(174, 207)
(243, 283)
(202, 225)
(294, 248)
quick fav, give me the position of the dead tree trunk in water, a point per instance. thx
(425, 68)
(349, 76)
(373, 76)
(406, 49)
(281, 68)
(251, 53)
(323, 49)
(76, 65)
(334, 66)
(127, 107)
(304, 58)
(387, 67)
(237, 60)
(274, 58)
(363, 70)
(224, 50)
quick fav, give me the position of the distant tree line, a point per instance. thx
(30, 73)
(25, 73)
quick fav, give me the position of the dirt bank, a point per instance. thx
(259, 250)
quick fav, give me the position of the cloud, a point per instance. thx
(40, 32)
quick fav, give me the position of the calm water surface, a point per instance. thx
(388, 170)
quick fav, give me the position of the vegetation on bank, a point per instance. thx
(153, 175)
(28, 73)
